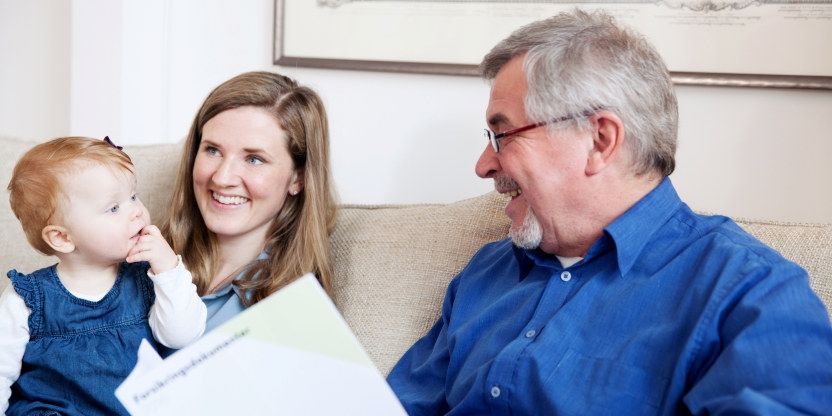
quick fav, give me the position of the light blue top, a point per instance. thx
(669, 313)
(225, 303)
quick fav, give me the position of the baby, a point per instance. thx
(69, 333)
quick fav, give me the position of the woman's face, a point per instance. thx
(243, 173)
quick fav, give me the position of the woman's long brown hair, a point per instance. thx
(298, 239)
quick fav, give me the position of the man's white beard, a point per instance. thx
(529, 234)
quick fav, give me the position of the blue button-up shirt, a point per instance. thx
(669, 312)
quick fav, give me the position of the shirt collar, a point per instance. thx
(229, 287)
(635, 228)
(629, 233)
(223, 292)
(526, 259)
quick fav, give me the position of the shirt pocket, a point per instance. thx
(606, 386)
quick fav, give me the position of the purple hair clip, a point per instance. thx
(110, 142)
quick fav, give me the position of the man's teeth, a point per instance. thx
(229, 200)
(515, 192)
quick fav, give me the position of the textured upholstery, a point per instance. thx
(393, 262)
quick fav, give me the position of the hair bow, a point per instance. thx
(110, 142)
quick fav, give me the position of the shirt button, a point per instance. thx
(495, 392)
(566, 276)
(530, 333)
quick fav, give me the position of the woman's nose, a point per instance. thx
(226, 174)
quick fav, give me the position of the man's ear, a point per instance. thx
(58, 238)
(607, 141)
(297, 182)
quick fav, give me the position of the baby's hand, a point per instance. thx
(153, 248)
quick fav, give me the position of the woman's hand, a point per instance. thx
(153, 248)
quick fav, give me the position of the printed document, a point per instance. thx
(291, 353)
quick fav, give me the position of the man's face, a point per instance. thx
(542, 172)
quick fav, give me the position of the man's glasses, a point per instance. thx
(496, 138)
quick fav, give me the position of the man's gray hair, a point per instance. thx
(581, 61)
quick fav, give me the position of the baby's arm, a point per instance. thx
(14, 335)
(177, 317)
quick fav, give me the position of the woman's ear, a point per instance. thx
(297, 182)
(58, 238)
(607, 141)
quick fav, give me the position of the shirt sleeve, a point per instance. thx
(419, 378)
(770, 351)
(14, 335)
(177, 317)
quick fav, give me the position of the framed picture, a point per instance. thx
(757, 43)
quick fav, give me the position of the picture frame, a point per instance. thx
(742, 43)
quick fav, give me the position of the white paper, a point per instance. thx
(291, 353)
(148, 359)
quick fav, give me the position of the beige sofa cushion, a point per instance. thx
(393, 263)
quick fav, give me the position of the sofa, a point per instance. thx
(393, 262)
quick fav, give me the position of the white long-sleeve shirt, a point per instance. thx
(177, 318)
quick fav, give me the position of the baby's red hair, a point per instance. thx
(35, 187)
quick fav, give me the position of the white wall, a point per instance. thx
(756, 153)
(97, 88)
(141, 75)
(34, 67)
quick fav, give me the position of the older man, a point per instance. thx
(611, 296)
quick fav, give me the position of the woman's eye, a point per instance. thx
(211, 150)
(114, 209)
(255, 160)
(134, 198)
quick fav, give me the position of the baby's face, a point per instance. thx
(102, 213)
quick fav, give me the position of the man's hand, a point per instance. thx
(153, 248)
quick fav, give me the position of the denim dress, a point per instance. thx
(79, 351)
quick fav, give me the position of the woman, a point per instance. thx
(253, 205)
